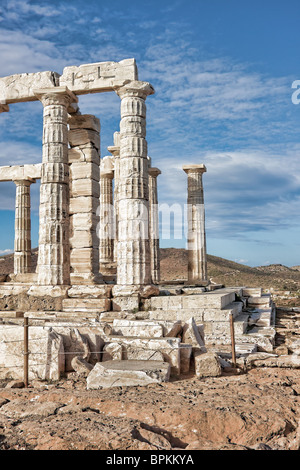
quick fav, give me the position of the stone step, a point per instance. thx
(200, 314)
(86, 305)
(215, 299)
(261, 317)
(223, 327)
(160, 349)
(7, 314)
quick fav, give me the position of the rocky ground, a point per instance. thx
(241, 410)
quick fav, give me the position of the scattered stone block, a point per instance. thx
(185, 357)
(112, 352)
(207, 365)
(127, 374)
(81, 366)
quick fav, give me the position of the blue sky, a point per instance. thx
(223, 74)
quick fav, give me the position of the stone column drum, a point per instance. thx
(107, 229)
(133, 249)
(154, 225)
(196, 239)
(54, 248)
(84, 161)
(22, 255)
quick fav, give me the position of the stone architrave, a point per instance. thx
(22, 255)
(154, 225)
(84, 161)
(133, 248)
(107, 229)
(54, 247)
(196, 239)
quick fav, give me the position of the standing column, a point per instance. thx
(197, 259)
(154, 225)
(22, 255)
(107, 229)
(115, 151)
(133, 266)
(54, 247)
(84, 161)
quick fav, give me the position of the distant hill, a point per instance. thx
(174, 263)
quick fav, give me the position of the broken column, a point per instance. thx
(196, 237)
(133, 266)
(22, 255)
(84, 161)
(107, 229)
(154, 225)
(54, 248)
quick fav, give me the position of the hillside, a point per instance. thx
(174, 263)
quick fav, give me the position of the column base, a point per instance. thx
(197, 283)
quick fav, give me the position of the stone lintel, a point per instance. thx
(194, 168)
(21, 172)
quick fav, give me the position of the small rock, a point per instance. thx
(15, 384)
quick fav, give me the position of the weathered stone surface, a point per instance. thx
(151, 349)
(191, 335)
(20, 172)
(128, 304)
(207, 365)
(46, 358)
(81, 366)
(112, 352)
(21, 87)
(86, 304)
(91, 292)
(127, 374)
(141, 328)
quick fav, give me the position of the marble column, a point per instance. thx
(196, 238)
(54, 247)
(84, 161)
(22, 255)
(133, 266)
(154, 225)
(115, 151)
(107, 229)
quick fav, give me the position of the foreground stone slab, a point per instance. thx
(207, 365)
(127, 374)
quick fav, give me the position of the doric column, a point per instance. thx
(115, 151)
(196, 239)
(22, 255)
(107, 230)
(154, 225)
(54, 247)
(84, 161)
(133, 266)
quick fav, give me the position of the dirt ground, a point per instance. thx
(253, 410)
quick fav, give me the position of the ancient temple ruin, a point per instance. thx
(96, 293)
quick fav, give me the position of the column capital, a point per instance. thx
(135, 88)
(4, 108)
(60, 95)
(154, 172)
(194, 168)
(114, 150)
(24, 182)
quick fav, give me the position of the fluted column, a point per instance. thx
(54, 247)
(133, 266)
(106, 246)
(22, 255)
(197, 258)
(115, 151)
(154, 225)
